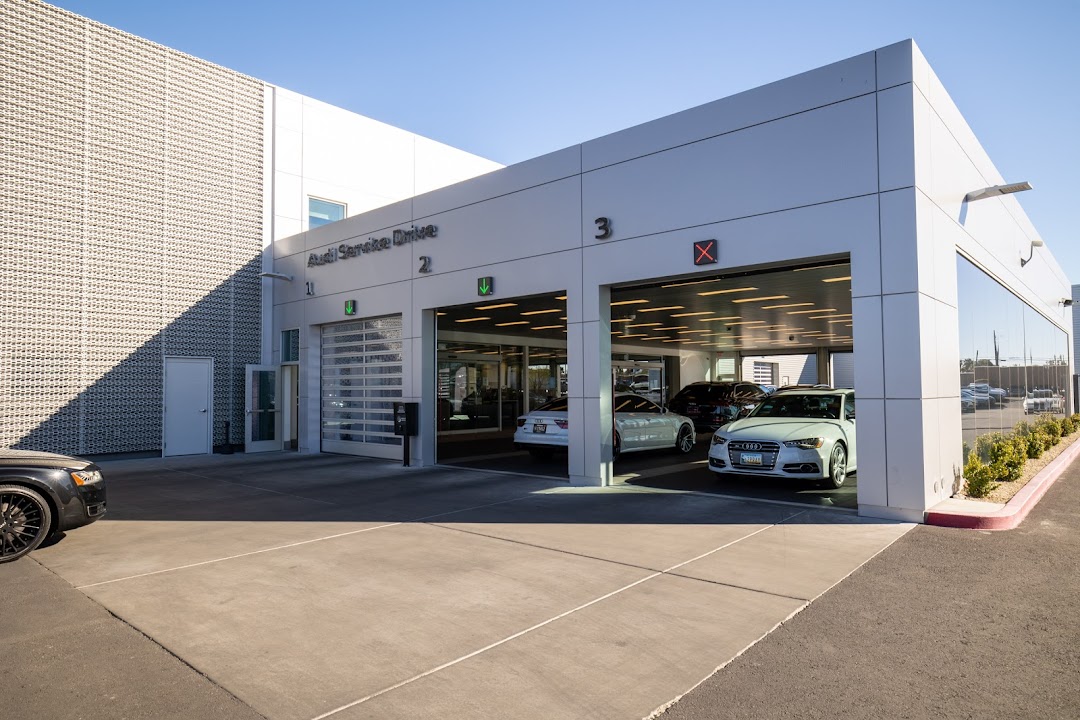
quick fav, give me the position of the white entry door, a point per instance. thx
(262, 427)
(189, 406)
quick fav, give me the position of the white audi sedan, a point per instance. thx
(792, 433)
(640, 424)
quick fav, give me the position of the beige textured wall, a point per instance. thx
(130, 229)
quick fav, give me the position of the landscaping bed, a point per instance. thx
(1001, 464)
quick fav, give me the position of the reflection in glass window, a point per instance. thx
(322, 212)
(1013, 361)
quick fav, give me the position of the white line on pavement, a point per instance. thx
(539, 625)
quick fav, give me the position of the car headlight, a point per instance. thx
(805, 443)
(718, 440)
(85, 477)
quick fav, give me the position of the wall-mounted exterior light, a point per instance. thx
(276, 276)
(1034, 244)
(996, 190)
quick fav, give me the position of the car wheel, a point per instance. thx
(24, 521)
(540, 454)
(685, 442)
(837, 466)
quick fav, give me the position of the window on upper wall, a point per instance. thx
(290, 345)
(321, 212)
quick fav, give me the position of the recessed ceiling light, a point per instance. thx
(674, 327)
(691, 332)
(658, 309)
(490, 352)
(516, 322)
(494, 307)
(657, 337)
(560, 297)
(541, 312)
(630, 302)
(748, 322)
(440, 314)
(693, 282)
(475, 319)
(621, 320)
(784, 329)
(652, 324)
(729, 317)
(630, 336)
(821, 267)
(836, 279)
(546, 327)
(826, 317)
(692, 314)
(725, 292)
(764, 297)
(808, 312)
(843, 320)
(786, 305)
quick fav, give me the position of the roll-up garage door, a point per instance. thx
(362, 366)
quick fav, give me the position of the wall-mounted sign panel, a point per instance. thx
(705, 252)
(485, 286)
(350, 307)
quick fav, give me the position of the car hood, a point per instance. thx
(32, 458)
(780, 429)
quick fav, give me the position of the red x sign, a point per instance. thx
(705, 252)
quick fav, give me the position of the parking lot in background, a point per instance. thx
(329, 586)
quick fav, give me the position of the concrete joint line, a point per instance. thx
(295, 544)
(250, 487)
(537, 626)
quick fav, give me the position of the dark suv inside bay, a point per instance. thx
(43, 494)
(712, 404)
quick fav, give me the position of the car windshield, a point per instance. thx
(556, 405)
(799, 406)
(703, 393)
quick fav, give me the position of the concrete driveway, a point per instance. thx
(327, 586)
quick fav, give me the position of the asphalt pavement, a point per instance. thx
(943, 624)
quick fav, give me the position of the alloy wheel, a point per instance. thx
(24, 521)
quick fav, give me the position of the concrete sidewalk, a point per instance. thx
(312, 587)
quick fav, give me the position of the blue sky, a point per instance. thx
(511, 81)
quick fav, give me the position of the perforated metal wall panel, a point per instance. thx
(130, 229)
(362, 365)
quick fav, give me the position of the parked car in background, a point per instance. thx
(1043, 401)
(967, 400)
(43, 494)
(640, 424)
(712, 404)
(792, 433)
(993, 395)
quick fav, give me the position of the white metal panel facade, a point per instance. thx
(842, 370)
(362, 369)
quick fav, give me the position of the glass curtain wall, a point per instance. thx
(1013, 361)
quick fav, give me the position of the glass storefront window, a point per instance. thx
(1013, 361)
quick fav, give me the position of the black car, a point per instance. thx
(712, 404)
(43, 494)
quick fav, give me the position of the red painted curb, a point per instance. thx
(1016, 509)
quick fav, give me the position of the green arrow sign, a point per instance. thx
(350, 307)
(485, 286)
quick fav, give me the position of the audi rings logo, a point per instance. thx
(751, 446)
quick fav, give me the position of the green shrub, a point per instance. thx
(984, 445)
(1051, 427)
(1007, 457)
(1036, 444)
(1022, 428)
(979, 478)
(1068, 427)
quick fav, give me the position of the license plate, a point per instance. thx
(539, 428)
(751, 458)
